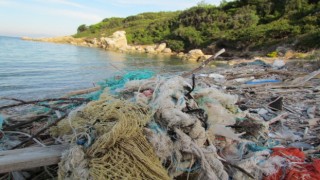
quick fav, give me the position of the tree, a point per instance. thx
(82, 28)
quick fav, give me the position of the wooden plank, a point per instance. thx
(26, 158)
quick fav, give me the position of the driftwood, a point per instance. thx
(19, 159)
(40, 131)
(303, 80)
(22, 102)
(278, 118)
(258, 74)
(23, 123)
(204, 64)
(36, 102)
(83, 91)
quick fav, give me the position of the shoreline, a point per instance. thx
(118, 43)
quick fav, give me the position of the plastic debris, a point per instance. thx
(296, 167)
(170, 127)
(278, 64)
(276, 103)
(262, 81)
(119, 81)
(217, 77)
(301, 145)
(1, 121)
(242, 80)
(259, 62)
(262, 111)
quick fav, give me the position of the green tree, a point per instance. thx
(82, 28)
(244, 17)
(191, 37)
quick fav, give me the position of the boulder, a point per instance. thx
(161, 47)
(118, 40)
(194, 55)
(180, 54)
(95, 42)
(167, 50)
(131, 48)
(139, 49)
(150, 49)
(84, 44)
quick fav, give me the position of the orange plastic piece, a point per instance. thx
(298, 169)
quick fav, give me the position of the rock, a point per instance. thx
(95, 41)
(278, 64)
(282, 50)
(161, 47)
(27, 38)
(62, 39)
(102, 40)
(167, 50)
(83, 44)
(194, 55)
(118, 40)
(131, 48)
(180, 54)
(150, 49)
(139, 49)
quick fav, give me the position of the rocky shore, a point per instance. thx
(118, 42)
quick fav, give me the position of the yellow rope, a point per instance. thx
(120, 150)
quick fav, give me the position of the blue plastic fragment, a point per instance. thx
(1, 121)
(271, 143)
(81, 141)
(254, 147)
(263, 81)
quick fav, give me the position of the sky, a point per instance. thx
(47, 18)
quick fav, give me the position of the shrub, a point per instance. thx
(175, 45)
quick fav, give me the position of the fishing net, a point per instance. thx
(110, 132)
(118, 81)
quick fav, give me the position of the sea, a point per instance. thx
(36, 70)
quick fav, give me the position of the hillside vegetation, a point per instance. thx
(239, 25)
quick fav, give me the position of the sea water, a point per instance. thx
(35, 70)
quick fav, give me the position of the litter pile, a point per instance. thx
(249, 121)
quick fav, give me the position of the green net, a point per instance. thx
(118, 81)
